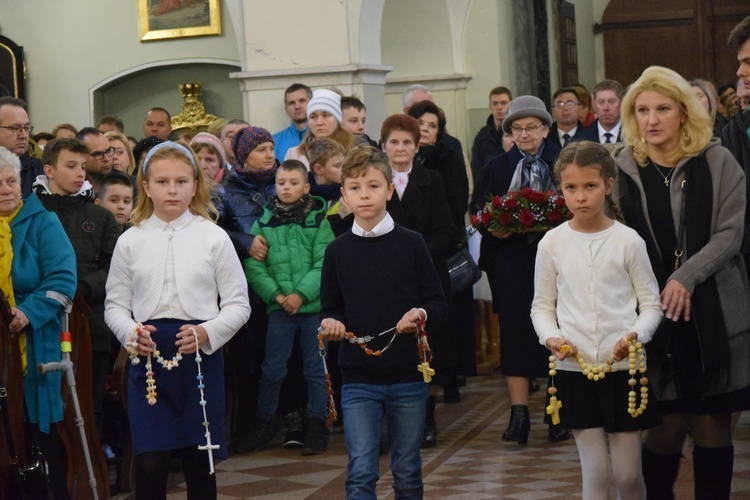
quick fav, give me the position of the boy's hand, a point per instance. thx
(186, 340)
(561, 348)
(258, 248)
(333, 329)
(408, 323)
(292, 304)
(622, 347)
(280, 298)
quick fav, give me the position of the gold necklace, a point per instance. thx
(665, 177)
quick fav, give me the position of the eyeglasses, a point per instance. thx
(566, 104)
(17, 130)
(107, 152)
(529, 129)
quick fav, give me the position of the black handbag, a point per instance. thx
(30, 481)
(33, 479)
(463, 271)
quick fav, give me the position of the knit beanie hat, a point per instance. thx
(523, 107)
(245, 141)
(206, 138)
(325, 100)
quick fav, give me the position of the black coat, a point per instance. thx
(425, 209)
(555, 139)
(487, 144)
(509, 264)
(93, 232)
(439, 158)
(31, 168)
(734, 137)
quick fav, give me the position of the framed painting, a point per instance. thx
(163, 19)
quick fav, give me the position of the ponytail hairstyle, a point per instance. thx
(587, 154)
(201, 202)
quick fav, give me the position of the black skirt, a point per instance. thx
(587, 404)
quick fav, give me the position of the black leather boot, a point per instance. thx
(558, 433)
(659, 473)
(429, 438)
(712, 470)
(519, 425)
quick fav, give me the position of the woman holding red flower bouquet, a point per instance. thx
(508, 256)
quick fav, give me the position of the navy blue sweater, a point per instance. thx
(369, 284)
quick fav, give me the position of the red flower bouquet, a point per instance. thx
(523, 211)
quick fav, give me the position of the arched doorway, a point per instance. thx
(130, 94)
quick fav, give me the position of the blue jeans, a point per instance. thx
(279, 342)
(404, 406)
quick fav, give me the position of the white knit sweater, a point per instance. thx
(204, 267)
(592, 289)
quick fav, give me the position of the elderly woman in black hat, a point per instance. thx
(508, 258)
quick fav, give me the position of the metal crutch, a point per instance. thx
(65, 365)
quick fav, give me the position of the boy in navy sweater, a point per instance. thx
(376, 277)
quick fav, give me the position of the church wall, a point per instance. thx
(74, 46)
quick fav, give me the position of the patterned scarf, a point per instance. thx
(291, 214)
(260, 177)
(6, 262)
(531, 171)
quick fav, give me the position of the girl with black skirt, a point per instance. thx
(596, 302)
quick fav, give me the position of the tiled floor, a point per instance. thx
(470, 461)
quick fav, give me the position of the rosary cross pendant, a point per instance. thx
(666, 181)
(427, 372)
(554, 409)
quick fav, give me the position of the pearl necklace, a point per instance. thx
(424, 353)
(132, 348)
(596, 373)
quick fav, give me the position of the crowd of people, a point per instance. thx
(324, 247)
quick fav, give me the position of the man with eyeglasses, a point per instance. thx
(566, 128)
(99, 158)
(607, 100)
(15, 131)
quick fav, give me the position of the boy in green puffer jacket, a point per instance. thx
(297, 233)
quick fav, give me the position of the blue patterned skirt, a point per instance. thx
(176, 420)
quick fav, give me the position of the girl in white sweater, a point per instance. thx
(596, 301)
(175, 288)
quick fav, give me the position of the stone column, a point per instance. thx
(324, 43)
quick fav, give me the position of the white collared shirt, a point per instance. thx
(615, 132)
(571, 133)
(401, 179)
(385, 226)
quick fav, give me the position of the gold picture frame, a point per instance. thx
(164, 19)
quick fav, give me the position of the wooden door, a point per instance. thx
(688, 36)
